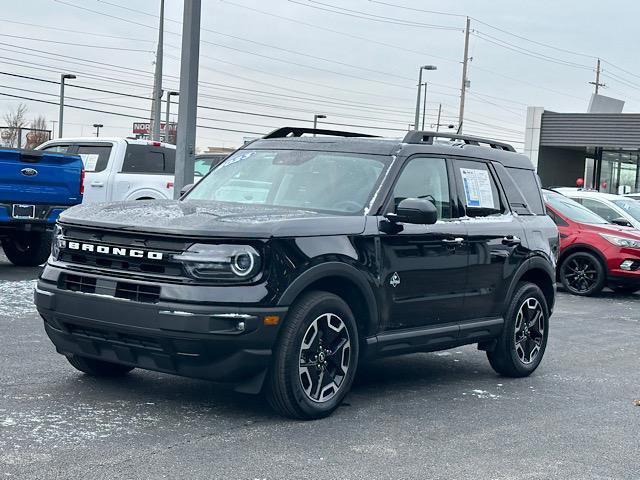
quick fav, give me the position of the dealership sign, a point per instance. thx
(144, 128)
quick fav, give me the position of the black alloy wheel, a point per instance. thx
(324, 357)
(528, 334)
(582, 274)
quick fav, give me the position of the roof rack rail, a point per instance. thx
(299, 131)
(429, 137)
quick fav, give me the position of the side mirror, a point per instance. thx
(415, 210)
(186, 189)
(623, 222)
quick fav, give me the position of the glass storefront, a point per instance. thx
(619, 170)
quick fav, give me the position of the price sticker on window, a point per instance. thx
(477, 188)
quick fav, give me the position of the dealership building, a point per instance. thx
(602, 147)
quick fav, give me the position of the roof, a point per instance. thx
(573, 192)
(391, 146)
(93, 140)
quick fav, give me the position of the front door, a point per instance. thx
(97, 171)
(424, 266)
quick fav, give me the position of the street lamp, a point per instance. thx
(98, 126)
(63, 77)
(315, 121)
(424, 67)
(166, 122)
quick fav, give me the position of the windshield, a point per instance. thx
(571, 209)
(632, 207)
(328, 181)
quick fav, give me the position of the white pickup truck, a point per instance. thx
(121, 168)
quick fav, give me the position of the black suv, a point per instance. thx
(300, 257)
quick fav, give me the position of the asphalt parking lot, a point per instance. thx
(437, 415)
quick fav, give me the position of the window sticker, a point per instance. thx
(237, 158)
(90, 161)
(477, 188)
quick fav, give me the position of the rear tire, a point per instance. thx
(523, 341)
(98, 368)
(315, 358)
(582, 273)
(27, 249)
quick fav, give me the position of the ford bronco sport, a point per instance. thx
(301, 257)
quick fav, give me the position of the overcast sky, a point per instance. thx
(294, 58)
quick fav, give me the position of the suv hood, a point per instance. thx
(612, 229)
(208, 218)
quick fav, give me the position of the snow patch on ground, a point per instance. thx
(74, 425)
(481, 394)
(16, 298)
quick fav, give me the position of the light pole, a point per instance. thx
(98, 126)
(187, 112)
(315, 121)
(166, 122)
(424, 104)
(63, 77)
(424, 67)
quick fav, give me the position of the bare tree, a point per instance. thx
(39, 132)
(15, 119)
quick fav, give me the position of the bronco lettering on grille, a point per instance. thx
(107, 250)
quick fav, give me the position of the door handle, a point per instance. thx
(453, 242)
(511, 241)
(97, 184)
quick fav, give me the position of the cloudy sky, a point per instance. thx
(270, 63)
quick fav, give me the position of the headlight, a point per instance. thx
(56, 240)
(621, 241)
(220, 262)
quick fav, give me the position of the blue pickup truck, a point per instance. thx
(34, 188)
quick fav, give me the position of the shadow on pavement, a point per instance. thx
(10, 272)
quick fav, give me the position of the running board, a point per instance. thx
(434, 337)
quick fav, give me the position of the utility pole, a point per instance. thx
(53, 129)
(166, 122)
(156, 107)
(424, 104)
(465, 62)
(597, 82)
(188, 107)
(98, 126)
(439, 113)
(63, 77)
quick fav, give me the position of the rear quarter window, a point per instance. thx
(528, 183)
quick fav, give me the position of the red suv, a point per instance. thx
(593, 253)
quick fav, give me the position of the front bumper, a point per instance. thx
(187, 339)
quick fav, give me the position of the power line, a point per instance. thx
(371, 17)
(122, 49)
(433, 12)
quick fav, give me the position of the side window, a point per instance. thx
(601, 209)
(142, 159)
(478, 189)
(425, 178)
(94, 157)
(557, 219)
(527, 181)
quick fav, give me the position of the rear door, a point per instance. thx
(424, 266)
(147, 172)
(495, 238)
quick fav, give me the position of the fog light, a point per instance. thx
(240, 326)
(627, 264)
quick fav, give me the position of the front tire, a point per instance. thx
(316, 357)
(98, 368)
(583, 274)
(523, 341)
(27, 249)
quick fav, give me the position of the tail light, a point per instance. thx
(82, 182)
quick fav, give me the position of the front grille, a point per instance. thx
(114, 337)
(132, 266)
(126, 290)
(138, 293)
